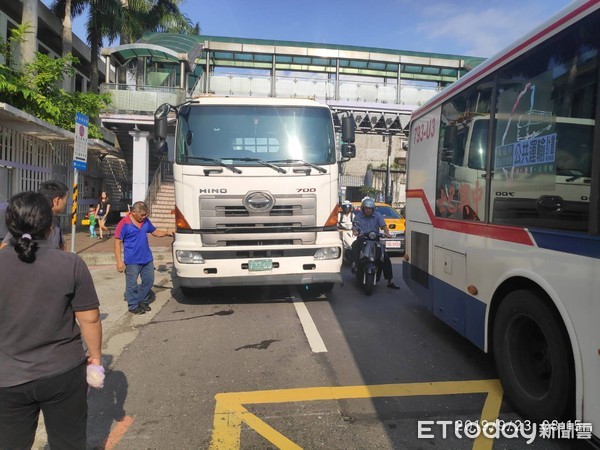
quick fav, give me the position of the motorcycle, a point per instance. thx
(369, 266)
(347, 239)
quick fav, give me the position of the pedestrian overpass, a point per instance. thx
(379, 87)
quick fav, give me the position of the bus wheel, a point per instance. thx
(533, 357)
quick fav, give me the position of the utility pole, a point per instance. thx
(388, 177)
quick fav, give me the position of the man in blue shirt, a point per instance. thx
(132, 234)
(368, 220)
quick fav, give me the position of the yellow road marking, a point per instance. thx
(230, 412)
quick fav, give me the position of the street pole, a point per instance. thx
(388, 172)
(80, 148)
(74, 208)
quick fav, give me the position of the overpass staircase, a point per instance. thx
(161, 197)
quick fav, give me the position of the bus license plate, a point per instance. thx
(256, 265)
(393, 244)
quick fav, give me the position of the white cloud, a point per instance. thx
(480, 29)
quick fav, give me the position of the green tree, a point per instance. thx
(128, 19)
(34, 88)
(369, 191)
(105, 20)
(155, 16)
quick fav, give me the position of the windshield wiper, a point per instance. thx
(300, 161)
(215, 161)
(260, 161)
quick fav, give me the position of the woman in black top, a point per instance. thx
(48, 307)
(102, 210)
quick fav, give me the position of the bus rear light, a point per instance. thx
(472, 290)
(180, 221)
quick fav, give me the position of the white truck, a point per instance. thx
(256, 192)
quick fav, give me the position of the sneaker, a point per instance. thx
(393, 285)
(139, 309)
(146, 306)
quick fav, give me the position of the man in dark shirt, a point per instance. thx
(57, 192)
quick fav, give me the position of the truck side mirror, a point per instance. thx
(348, 150)
(160, 121)
(450, 132)
(161, 147)
(348, 129)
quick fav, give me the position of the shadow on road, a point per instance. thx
(105, 407)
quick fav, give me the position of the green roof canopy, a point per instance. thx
(161, 47)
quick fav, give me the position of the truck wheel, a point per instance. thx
(533, 357)
(314, 290)
(188, 291)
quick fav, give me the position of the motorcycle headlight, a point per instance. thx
(189, 257)
(327, 253)
(372, 235)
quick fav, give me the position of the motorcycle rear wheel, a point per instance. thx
(369, 283)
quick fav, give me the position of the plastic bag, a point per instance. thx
(95, 376)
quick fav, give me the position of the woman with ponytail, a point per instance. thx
(48, 306)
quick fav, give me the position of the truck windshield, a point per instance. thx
(254, 135)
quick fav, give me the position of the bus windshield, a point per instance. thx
(249, 135)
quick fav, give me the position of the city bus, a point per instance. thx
(503, 214)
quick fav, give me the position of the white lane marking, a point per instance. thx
(310, 329)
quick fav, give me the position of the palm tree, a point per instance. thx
(28, 46)
(128, 19)
(105, 19)
(154, 15)
(67, 42)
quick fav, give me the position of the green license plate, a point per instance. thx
(256, 265)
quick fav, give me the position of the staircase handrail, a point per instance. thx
(161, 171)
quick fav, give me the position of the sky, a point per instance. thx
(459, 27)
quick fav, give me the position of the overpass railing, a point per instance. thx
(127, 98)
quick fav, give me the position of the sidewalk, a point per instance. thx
(97, 252)
(119, 328)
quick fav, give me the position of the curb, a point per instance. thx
(108, 259)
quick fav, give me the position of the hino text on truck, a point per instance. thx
(256, 191)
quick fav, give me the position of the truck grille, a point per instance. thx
(228, 213)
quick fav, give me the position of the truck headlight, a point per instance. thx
(328, 253)
(189, 257)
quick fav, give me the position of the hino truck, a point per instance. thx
(256, 192)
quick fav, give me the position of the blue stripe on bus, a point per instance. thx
(568, 242)
(461, 311)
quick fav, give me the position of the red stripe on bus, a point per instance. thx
(499, 232)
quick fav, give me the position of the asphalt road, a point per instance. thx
(259, 368)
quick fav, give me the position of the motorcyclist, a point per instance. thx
(346, 216)
(365, 221)
(345, 219)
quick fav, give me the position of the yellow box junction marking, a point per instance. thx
(230, 412)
